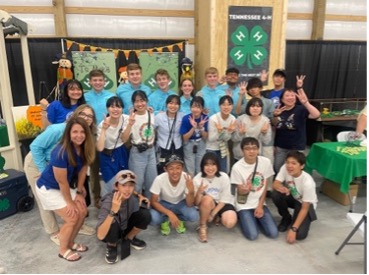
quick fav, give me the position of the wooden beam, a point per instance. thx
(348, 18)
(130, 12)
(28, 9)
(59, 18)
(318, 20)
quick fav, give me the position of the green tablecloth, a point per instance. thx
(334, 165)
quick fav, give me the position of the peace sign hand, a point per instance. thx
(189, 183)
(300, 80)
(131, 119)
(279, 110)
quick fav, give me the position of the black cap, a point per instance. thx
(281, 72)
(172, 159)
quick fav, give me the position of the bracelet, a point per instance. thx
(79, 192)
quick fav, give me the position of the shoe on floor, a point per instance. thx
(137, 243)
(87, 230)
(165, 228)
(55, 238)
(284, 224)
(111, 254)
(181, 228)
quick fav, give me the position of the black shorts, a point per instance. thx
(225, 208)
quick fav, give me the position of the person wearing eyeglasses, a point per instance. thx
(121, 218)
(173, 198)
(38, 158)
(250, 177)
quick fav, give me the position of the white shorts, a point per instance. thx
(53, 199)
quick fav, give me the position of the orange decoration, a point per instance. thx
(34, 115)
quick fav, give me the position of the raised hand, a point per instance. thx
(203, 120)
(192, 122)
(241, 128)
(265, 127)
(116, 202)
(302, 96)
(44, 103)
(189, 183)
(242, 87)
(232, 127)
(202, 187)
(106, 122)
(279, 110)
(131, 119)
(300, 80)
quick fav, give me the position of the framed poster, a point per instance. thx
(84, 62)
(249, 32)
(150, 63)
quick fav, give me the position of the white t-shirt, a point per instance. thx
(218, 187)
(214, 138)
(111, 134)
(140, 132)
(166, 191)
(242, 173)
(301, 188)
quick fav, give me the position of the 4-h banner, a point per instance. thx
(150, 63)
(249, 32)
(84, 62)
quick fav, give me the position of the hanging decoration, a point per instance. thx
(150, 51)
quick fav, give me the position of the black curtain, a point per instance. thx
(43, 51)
(333, 69)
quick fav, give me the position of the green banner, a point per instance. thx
(84, 62)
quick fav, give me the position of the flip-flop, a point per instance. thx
(79, 247)
(68, 255)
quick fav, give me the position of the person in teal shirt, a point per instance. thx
(211, 93)
(126, 90)
(158, 98)
(186, 93)
(98, 96)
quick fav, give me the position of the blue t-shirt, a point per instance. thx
(186, 125)
(98, 102)
(211, 98)
(185, 105)
(125, 92)
(291, 129)
(275, 96)
(57, 113)
(47, 177)
(157, 100)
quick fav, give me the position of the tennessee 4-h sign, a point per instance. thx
(249, 31)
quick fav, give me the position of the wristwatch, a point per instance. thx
(79, 192)
(113, 214)
(294, 229)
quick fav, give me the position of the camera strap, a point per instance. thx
(170, 131)
(148, 126)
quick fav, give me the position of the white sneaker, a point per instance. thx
(87, 230)
(55, 238)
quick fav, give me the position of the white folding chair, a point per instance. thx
(345, 136)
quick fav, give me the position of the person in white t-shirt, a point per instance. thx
(295, 188)
(250, 175)
(213, 195)
(173, 197)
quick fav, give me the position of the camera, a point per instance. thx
(194, 149)
(142, 147)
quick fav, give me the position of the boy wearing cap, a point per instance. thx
(120, 217)
(173, 197)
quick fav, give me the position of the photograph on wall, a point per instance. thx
(84, 62)
(150, 63)
(249, 33)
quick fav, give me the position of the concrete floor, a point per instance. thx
(26, 248)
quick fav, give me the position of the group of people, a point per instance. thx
(166, 159)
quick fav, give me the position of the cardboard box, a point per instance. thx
(332, 190)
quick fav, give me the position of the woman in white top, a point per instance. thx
(110, 143)
(213, 195)
(252, 124)
(142, 160)
(221, 127)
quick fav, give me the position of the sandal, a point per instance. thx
(79, 247)
(203, 233)
(69, 256)
(217, 221)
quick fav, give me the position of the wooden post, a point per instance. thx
(59, 18)
(27, 69)
(318, 20)
(211, 34)
(11, 153)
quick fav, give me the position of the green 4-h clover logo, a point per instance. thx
(4, 205)
(249, 46)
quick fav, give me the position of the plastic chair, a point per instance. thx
(344, 136)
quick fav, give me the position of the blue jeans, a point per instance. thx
(223, 161)
(250, 224)
(192, 161)
(183, 212)
(144, 166)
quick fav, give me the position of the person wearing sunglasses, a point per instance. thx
(120, 217)
(173, 197)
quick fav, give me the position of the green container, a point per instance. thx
(4, 138)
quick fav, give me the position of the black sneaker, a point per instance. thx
(137, 244)
(111, 255)
(284, 224)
